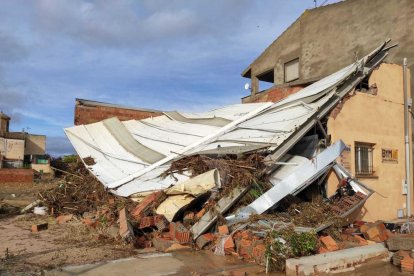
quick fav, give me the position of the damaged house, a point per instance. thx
(370, 120)
(135, 158)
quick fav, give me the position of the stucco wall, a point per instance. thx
(377, 119)
(12, 148)
(35, 144)
(42, 167)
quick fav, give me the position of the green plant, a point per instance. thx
(303, 244)
(70, 158)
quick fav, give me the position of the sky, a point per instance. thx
(167, 55)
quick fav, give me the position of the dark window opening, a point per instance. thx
(266, 80)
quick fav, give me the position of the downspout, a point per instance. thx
(407, 141)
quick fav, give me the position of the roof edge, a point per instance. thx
(97, 103)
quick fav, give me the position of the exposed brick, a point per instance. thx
(374, 231)
(39, 227)
(247, 235)
(229, 246)
(146, 222)
(182, 234)
(322, 250)
(87, 114)
(125, 229)
(245, 248)
(189, 218)
(273, 94)
(223, 229)
(16, 175)
(360, 240)
(259, 253)
(201, 213)
(329, 243)
(148, 204)
(91, 222)
(64, 218)
(161, 222)
(407, 264)
(204, 240)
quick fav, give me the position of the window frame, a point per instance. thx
(284, 69)
(361, 169)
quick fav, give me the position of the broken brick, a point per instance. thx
(374, 231)
(204, 240)
(147, 222)
(329, 243)
(247, 234)
(125, 229)
(407, 264)
(148, 204)
(229, 247)
(245, 248)
(237, 273)
(360, 240)
(39, 227)
(189, 218)
(64, 218)
(322, 250)
(223, 229)
(161, 222)
(90, 222)
(182, 234)
(259, 253)
(201, 213)
(172, 230)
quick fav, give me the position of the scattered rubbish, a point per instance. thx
(30, 206)
(39, 227)
(41, 211)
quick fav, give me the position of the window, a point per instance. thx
(292, 70)
(364, 159)
(266, 79)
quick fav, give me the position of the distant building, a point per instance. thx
(88, 112)
(21, 149)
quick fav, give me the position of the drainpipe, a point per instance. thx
(407, 141)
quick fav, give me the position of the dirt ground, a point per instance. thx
(25, 253)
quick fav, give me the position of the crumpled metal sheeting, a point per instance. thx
(271, 125)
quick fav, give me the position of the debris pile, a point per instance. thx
(188, 215)
(249, 180)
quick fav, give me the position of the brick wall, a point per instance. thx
(87, 114)
(16, 175)
(273, 94)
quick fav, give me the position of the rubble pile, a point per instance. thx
(79, 192)
(168, 219)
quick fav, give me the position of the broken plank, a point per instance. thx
(224, 204)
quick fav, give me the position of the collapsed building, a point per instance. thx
(132, 158)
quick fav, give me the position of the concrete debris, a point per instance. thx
(399, 242)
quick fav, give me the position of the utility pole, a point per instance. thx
(406, 139)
